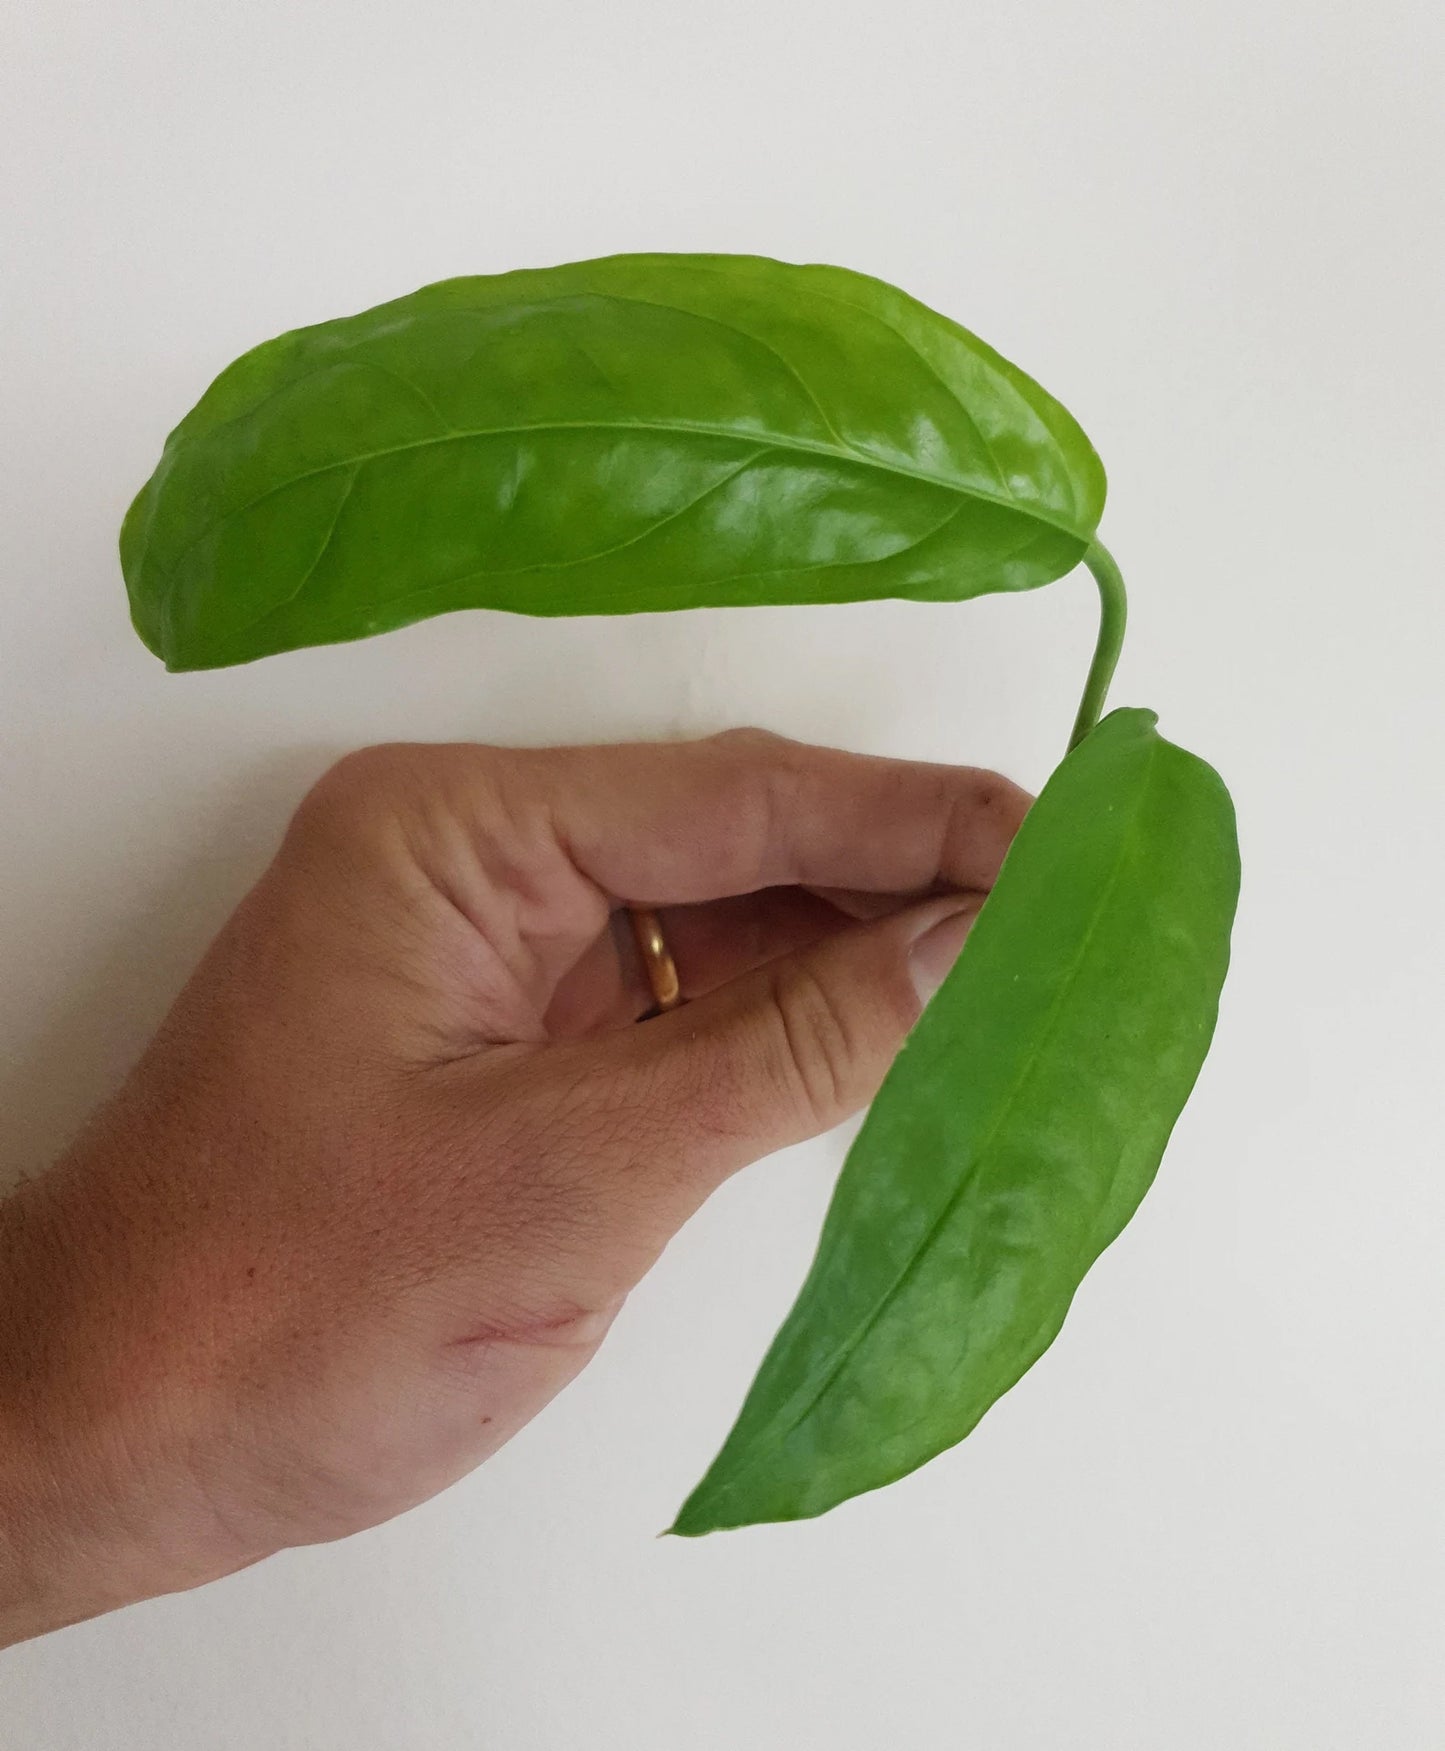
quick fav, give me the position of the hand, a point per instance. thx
(396, 1157)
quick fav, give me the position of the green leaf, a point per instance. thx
(639, 432)
(1012, 1140)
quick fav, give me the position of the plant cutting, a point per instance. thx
(661, 432)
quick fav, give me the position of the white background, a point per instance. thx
(1211, 1517)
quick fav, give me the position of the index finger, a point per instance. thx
(662, 824)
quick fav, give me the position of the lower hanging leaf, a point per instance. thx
(1012, 1140)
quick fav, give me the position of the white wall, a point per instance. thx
(1210, 1520)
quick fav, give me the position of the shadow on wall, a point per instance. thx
(51, 1082)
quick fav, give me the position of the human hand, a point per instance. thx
(393, 1162)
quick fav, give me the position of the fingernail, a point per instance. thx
(934, 952)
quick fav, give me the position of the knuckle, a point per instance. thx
(749, 738)
(766, 778)
(367, 766)
(353, 816)
(349, 783)
(817, 1042)
(410, 781)
(985, 807)
(993, 794)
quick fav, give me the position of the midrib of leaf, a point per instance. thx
(859, 1336)
(697, 428)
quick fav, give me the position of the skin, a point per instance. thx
(381, 1182)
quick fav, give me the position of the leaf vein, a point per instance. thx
(544, 565)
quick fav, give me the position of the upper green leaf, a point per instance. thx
(639, 432)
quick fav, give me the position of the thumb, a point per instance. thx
(785, 1052)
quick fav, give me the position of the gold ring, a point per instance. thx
(656, 958)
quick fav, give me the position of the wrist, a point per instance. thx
(39, 1496)
(72, 1550)
(43, 1581)
(95, 1512)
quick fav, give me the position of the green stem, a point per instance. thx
(1113, 611)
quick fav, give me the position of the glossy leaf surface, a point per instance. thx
(1012, 1140)
(634, 433)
